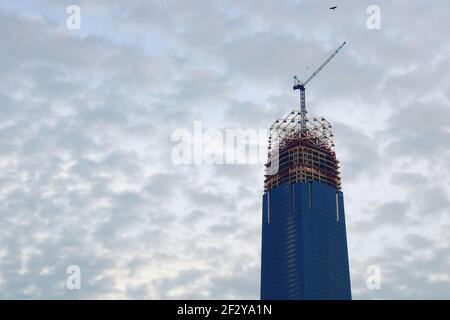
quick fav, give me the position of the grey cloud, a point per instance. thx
(419, 131)
(417, 241)
(409, 179)
(359, 154)
(86, 120)
(393, 212)
(390, 214)
(408, 276)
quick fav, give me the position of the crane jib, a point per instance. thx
(299, 85)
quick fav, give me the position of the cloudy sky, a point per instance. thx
(87, 115)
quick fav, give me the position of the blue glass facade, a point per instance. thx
(304, 243)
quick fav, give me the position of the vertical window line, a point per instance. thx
(309, 185)
(293, 198)
(337, 207)
(268, 207)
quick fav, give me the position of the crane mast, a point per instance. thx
(300, 85)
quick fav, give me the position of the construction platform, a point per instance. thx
(304, 151)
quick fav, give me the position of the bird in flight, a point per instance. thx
(333, 8)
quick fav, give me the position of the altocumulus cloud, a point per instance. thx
(86, 118)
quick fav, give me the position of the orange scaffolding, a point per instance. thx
(303, 153)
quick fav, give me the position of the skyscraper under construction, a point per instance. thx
(304, 243)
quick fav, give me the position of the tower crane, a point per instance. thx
(300, 85)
